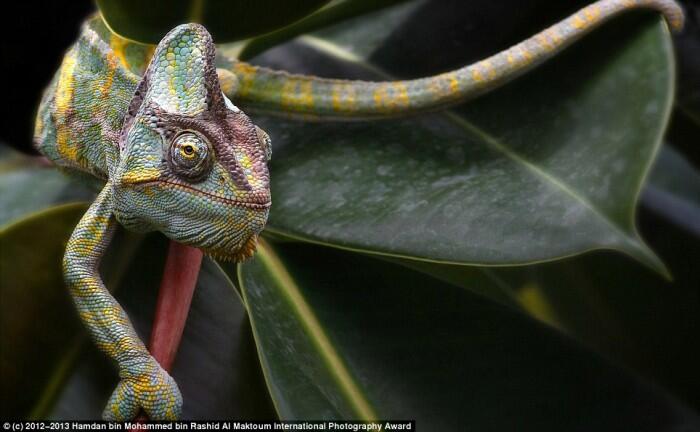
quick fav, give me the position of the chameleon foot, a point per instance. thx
(154, 391)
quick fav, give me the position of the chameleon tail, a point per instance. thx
(310, 97)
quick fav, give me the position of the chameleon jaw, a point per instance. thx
(246, 251)
(253, 204)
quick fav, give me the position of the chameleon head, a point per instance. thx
(191, 164)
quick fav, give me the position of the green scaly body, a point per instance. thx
(153, 128)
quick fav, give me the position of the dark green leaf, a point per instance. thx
(346, 336)
(607, 301)
(334, 13)
(226, 20)
(38, 330)
(480, 280)
(674, 190)
(546, 167)
(28, 185)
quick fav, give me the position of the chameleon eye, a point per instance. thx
(188, 150)
(265, 142)
(190, 156)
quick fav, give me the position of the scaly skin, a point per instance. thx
(141, 376)
(313, 98)
(174, 155)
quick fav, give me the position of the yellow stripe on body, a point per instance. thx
(246, 74)
(109, 79)
(140, 175)
(343, 97)
(174, 96)
(443, 85)
(297, 93)
(578, 22)
(65, 90)
(118, 46)
(391, 96)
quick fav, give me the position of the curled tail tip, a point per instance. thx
(674, 15)
(678, 23)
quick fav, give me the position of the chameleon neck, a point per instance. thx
(310, 97)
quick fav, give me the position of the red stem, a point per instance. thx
(174, 298)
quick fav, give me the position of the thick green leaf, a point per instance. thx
(39, 335)
(483, 281)
(546, 167)
(306, 376)
(28, 185)
(226, 20)
(334, 13)
(629, 314)
(606, 300)
(341, 335)
(609, 303)
(36, 326)
(673, 192)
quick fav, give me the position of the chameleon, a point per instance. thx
(157, 130)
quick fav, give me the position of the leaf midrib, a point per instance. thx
(335, 365)
(629, 236)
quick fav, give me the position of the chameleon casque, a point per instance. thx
(173, 153)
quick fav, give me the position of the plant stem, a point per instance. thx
(173, 305)
(174, 298)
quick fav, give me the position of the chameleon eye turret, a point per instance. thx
(190, 157)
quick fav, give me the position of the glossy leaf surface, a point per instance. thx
(27, 185)
(226, 20)
(386, 342)
(546, 167)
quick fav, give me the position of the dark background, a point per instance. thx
(40, 34)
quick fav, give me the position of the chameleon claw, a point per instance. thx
(121, 405)
(154, 391)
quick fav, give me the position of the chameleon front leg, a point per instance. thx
(313, 98)
(144, 384)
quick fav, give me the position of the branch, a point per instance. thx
(174, 298)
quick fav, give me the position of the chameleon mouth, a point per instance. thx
(253, 203)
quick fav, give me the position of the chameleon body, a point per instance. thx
(175, 156)
(172, 153)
